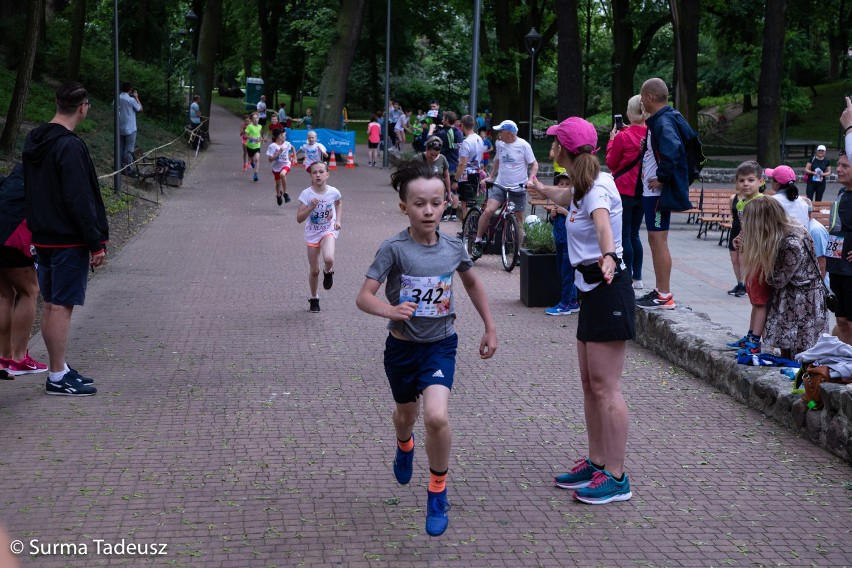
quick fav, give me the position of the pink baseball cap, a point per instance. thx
(781, 174)
(574, 132)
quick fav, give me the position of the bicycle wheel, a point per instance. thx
(509, 246)
(469, 226)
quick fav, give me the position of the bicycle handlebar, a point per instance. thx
(490, 184)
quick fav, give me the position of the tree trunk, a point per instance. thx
(769, 84)
(332, 89)
(686, 15)
(15, 115)
(268, 17)
(141, 31)
(77, 28)
(569, 76)
(623, 64)
(503, 89)
(208, 41)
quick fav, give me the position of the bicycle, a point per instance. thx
(503, 220)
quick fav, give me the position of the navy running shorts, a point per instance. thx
(63, 274)
(411, 367)
(655, 221)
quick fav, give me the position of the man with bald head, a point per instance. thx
(664, 168)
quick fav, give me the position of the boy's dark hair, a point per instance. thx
(749, 167)
(373, 118)
(467, 122)
(69, 96)
(126, 86)
(481, 129)
(451, 117)
(409, 171)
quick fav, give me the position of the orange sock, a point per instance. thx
(406, 446)
(437, 481)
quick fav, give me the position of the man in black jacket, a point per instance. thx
(66, 214)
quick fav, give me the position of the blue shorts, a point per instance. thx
(63, 274)
(411, 366)
(655, 220)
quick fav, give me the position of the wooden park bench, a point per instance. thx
(822, 212)
(533, 203)
(715, 209)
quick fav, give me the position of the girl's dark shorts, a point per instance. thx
(608, 313)
(13, 258)
(252, 151)
(412, 366)
(372, 144)
(735, 231)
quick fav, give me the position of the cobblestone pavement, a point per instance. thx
(241, 430)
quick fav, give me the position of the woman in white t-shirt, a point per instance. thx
(787, 194)
(279, 153)
(607, 309)
(320, 206)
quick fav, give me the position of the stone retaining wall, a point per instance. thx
(690, 340)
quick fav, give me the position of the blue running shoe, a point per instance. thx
(403, 465)
(436, 513)
(563, 309)
(739, 343)
(750, 347)
(580, 475)
(604, 489)
(72, 374)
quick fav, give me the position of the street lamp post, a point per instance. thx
(532, 41)
(191, 19)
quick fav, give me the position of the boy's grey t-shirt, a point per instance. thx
(419, 273)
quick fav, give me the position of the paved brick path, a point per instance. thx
(242, 430)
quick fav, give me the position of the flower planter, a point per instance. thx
(541, 283)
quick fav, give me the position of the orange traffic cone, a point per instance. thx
(350, 160)
(332, 165)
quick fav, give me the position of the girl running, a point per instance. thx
(279, 153)
(320, 205)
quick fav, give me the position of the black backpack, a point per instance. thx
(695, 158)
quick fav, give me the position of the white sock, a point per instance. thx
(55, 377)
(67, 368)
(478, 240)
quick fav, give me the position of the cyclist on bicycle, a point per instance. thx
(514, 167)
(470, 158)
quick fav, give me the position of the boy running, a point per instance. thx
(417, 266)
(321, 203)
(253, 140)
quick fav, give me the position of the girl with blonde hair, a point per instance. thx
(780, 252)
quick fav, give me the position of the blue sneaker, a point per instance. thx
(403, 465)
(580, 475)
(436, 513)
(739, 343)
(75, 375)
(750, 347)
(604, 489)
(563, 309)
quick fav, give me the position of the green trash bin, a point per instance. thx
(254, 88)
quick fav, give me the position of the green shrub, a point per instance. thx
(538, 238)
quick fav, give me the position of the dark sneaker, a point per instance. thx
(734, 290)
(655, 301)
(580, 475)
(75, 374)
(741, 292)
(651, 294)
(279, 200)
(403, 465)
(286, 198)
(70, 385)
(477, 251)
(436, 513)
(254, 177)
(4, 376)
(604, 489)
(328, 280)
(314, 305)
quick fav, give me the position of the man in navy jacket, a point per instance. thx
(66, 214)
(664, 169)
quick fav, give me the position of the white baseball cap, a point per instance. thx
(820, 148)
(507, 125)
